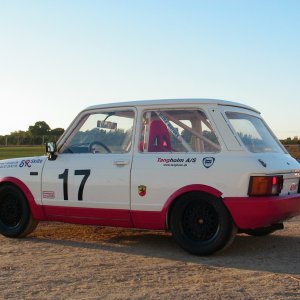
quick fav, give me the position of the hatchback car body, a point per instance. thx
(203, 169)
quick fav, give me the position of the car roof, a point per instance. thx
(164, 102)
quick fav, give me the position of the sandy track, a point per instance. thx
(62, 261)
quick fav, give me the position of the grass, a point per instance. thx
(21, 151)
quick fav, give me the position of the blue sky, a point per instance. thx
(57, 57)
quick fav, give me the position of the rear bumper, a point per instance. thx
(257, 212)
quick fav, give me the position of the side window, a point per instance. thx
(177, 131)
(105, 132)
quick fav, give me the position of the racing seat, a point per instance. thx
(159, 137)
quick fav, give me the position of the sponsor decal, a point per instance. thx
(48, 195)
(208, 162)
(9, 165)
(142, 190)
(176, 162)
(27, 163)
(24, 163)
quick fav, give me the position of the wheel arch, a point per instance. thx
(200, 188)
(36, 210)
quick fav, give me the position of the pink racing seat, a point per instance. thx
(159, 137)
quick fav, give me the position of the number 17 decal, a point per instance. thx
(64, 176)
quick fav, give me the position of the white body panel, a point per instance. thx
(114, 179)
(107, 186)
(28, 170)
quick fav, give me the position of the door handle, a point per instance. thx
(121, 162)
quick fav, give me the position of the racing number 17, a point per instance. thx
(64, 176)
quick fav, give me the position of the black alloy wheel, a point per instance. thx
(200, 221)
(15, 215)
(201, 224)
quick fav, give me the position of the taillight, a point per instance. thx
(265, 185)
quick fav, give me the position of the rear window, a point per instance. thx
(254, 134)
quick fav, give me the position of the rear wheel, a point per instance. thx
(15, 215)
(201, 224)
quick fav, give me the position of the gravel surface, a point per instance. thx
(63, 261)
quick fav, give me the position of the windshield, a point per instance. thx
(254, 133)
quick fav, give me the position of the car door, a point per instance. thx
(177, 149)
(89, 181)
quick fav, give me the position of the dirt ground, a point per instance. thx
(63, 261)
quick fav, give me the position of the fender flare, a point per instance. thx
(188, 188)
(36, 210)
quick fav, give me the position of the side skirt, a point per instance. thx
(106, 217)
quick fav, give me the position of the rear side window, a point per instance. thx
(253, 132)
(177, 131)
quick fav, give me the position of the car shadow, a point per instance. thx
(279, 252)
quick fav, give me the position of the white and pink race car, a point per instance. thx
(203, 169)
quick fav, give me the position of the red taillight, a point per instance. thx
(265, 185)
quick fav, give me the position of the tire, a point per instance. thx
(201, 224)
(15, 216)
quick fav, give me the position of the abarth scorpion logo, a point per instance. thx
(208, 162)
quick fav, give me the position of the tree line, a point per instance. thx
(291, 141)
(40, 132)
(37, 134)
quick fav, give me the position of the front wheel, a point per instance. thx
(201, 224)
(15, 215)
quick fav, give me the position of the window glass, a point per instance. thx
(177, 131)
(109, 132)
(253, 133)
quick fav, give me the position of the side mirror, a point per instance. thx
(51, 150)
